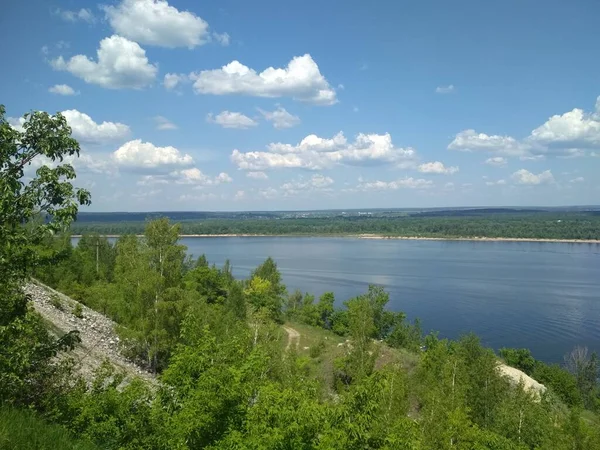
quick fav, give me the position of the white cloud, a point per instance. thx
(228, 119)
(155, 22)
(316, 153)
(408, 183)
(162, 123)
(574, 129)
(145, 155)
(577, 180)
(301, 80)
(84, 163)
(317, 182)
(196, 177)
(497, 161)
(469, 140)
(172, 80)
(437, 167)
(257, 175)
(525, 177)
(280, 118)
(62, 89)
(565, 136)
(444, 89)
(495, 183)
(222, 38)
(120, 64)
(86, 130)
(239, 195)
(84, 15)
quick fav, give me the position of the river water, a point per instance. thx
(543, 296)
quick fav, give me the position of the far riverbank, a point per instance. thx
(377, 236)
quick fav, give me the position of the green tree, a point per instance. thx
(325, 309)
(31, 212)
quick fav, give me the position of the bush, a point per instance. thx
(56, 302)
(316, 350)
(78, 311)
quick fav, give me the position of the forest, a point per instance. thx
(447, 224)
(240, 364)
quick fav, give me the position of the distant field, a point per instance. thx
(530, 223)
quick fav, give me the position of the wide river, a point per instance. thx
(543, 296)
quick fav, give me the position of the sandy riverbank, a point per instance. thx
(378, 236)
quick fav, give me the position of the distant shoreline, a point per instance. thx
(381, 237)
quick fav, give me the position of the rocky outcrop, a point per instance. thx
(99, 341)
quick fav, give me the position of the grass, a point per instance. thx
(333, 347)
(24, 430)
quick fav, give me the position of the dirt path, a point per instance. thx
(293, 335)
(99, 340)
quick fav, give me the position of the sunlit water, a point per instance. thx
(544, 296)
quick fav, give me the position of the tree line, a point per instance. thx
(567, 225)
(226, 379)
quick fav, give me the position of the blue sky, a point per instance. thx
(236, 105)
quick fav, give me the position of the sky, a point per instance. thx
(269, 105)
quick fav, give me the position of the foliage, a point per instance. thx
(32, 212)
(24, 430)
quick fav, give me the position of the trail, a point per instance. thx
(293, 335)
(99, 342)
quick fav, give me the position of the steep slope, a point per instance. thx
(99, 341)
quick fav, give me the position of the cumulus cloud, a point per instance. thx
(62, 89)
(316, 153)
(445, 89)
(172, 80)
(470, 141)
(239, 195)
(437, 167)
(571, 130)
(300, 80)
(155, 22)
(83, 15)
(257, 175)
(280, 118)
(162, 123)
(145, 155)
(86, 130)
(402, 183)
(196, 177)
(577, 180)
(497, 161)
(566, 135)
(523, 176)
(121, 64)
(84, 163)
(228, 119)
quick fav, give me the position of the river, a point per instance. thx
(543, 296)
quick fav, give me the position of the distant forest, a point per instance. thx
(449, 223)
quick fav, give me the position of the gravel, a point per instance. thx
(99, 341)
